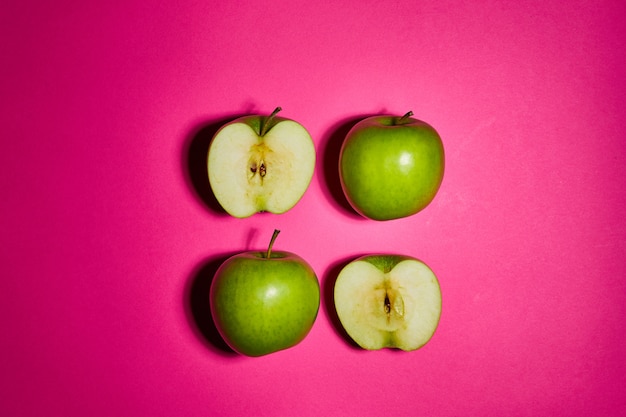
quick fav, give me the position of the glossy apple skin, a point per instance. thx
(389, 170)
(262, 305)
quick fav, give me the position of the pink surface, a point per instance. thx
(110, 234)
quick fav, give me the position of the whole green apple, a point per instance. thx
(391, 167)
(263, 302)
(388, 301)
(258, 163)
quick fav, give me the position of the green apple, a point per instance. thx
(263, 302)
(388, 301)
(258, 163)
(391, 167)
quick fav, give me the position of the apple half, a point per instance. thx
(388, 301)
(260, 163)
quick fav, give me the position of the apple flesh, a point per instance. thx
(258, 163)
(388, 301)
(391, 167)
(264, 302)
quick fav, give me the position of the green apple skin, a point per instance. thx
(391, 167)
(388, 301)
(260, 164)
(263, 305)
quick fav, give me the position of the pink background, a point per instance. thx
(110, 235)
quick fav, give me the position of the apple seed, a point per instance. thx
(387, 305)
(393, 304)
(261, 168)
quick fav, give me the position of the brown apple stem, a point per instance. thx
(405, 118)
(268, 121)
(269, 248)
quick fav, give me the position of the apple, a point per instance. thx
(388, 301)
(391, 167)
(258, 163)
(263, 302)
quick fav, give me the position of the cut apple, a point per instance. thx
(388, 301)
(258, 163)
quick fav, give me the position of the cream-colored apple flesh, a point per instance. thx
(250, 173)
(394, 308)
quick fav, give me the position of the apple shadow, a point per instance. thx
(328, 288)
(198, 309)
(329, 180)
(195, 160)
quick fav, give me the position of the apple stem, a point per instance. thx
(405, 118)
(269, 248)
(268, 120)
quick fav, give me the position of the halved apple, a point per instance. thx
(388, 301)
(260, 163)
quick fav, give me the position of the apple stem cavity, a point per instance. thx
(268, 254)
(405, 118)
(268, 121)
